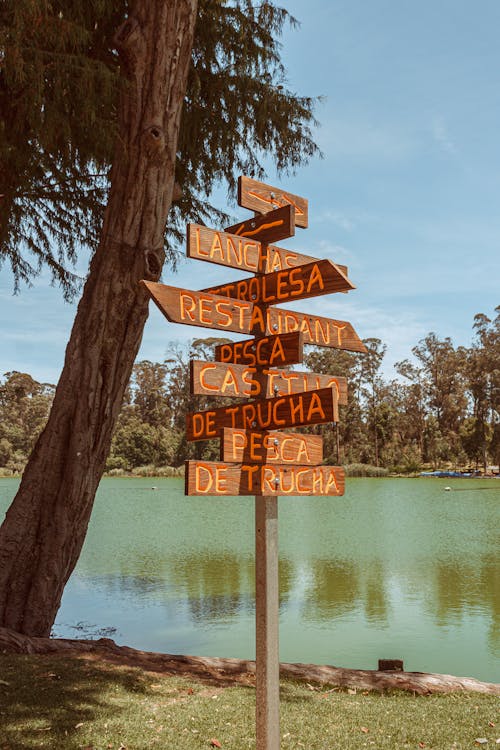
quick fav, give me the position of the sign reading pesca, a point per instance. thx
(257, 196)
(269, 351)
(213, 478)
(311, 407)
(272, 227)
(242, 253)
(223, 313)
(310, 280)
(241, 381)
(247, 446)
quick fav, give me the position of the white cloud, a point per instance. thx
(441, 135)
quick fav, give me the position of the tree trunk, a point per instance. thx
(230, 671)
(43, 532)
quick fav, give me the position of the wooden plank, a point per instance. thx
(311, 407)
(213, 311)
(248, 446)
(257, 196)
(311, 280)
(242, 253)
(268, 351)
(267, 667)
(241, 381)
(217, 478)
(272, 227)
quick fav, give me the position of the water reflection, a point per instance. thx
(396, 566)
(461, 588)
(340, 587)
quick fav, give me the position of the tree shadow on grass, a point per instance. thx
(64, 703)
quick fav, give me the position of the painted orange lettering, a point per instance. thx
(187, 305)
(256, 446)
(231, 412)
(284, 474)
(204, 384)
(197, 234)
(229, 381)
(221, 479)
(252, 250)
(257, 320)
(303, 453)
(197, 424)
(278, 352)
(220, 306)
(248, 415)
(306, 473)
(231, 248)
(268, 478)
(315, 278)
(297, 406)
(254, 385)
(315, 407)
(331, 481)
(284, 443)
(205, 309)
(248, 471)
(276, 407)
(295, 276)
(322, 330)
(210, 424)
(216, 248)
(239, 443)
(203, 478)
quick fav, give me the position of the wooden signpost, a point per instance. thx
(258, 455)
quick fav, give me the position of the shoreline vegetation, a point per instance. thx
(351, 470)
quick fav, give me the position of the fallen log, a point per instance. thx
(229, 671)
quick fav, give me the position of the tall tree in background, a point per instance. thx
(57, 61)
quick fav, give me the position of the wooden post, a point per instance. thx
(266, 623)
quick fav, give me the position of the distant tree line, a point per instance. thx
(443, 409)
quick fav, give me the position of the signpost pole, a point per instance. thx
(266, 623)
(267, 661)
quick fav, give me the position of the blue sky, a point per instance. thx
(407, 193)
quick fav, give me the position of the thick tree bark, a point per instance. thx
(229, 671)
(42, 535)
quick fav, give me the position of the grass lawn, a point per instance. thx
(70, 703)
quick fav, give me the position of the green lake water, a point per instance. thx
(397, 568)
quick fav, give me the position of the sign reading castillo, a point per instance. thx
(258, 454)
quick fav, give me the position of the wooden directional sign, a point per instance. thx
(268, 351)
(311, 280)
(247, 446)
(311, 407)
(272, 227)
(222, 313)
(241, 381)
(263, 198)
(240, 252)
(213, 478)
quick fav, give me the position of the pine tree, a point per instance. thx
(230, 121)
(59, 88)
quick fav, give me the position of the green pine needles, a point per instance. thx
(60, 80)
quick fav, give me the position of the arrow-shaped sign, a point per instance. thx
(257, 196)
(213, 478)
(311, 280)
(311, 407)
(272, 227)
(223, 313)
(226, 249)
(242, 381)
